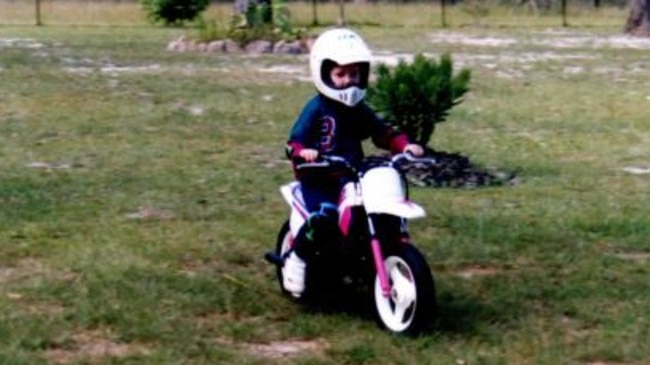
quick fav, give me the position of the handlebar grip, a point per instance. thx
(411, 158)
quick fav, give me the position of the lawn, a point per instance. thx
(139, 192)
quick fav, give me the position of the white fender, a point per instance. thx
(384, 192)
(291, 191)
(293, 196)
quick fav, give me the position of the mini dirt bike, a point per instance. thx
(376, 254)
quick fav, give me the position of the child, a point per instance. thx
(334, 122)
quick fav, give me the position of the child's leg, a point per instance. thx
(321, 199)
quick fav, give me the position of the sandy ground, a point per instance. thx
(507, 57)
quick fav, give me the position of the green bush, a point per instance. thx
(209, 30)
(414, 97)
(174, 12)
(253, 24)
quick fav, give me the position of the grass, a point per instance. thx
(139, 193)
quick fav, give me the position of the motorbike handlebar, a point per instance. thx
(338, 162)
(327, 162)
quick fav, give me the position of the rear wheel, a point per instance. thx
(410, 306)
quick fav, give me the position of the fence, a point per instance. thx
(430, 13)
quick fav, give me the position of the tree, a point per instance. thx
(638, 21)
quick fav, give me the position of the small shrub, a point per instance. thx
(209, 30)
(415, 97)
(253, 24)
(174, 12)
(245, 35)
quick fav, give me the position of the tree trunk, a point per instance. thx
(638, 21)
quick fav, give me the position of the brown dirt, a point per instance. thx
(92, 345)
(280, 349)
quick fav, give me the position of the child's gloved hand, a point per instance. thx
(309, 154)
(414, 149)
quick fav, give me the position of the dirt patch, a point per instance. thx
(464, 39)
(558, 40)
(151, 213)
(26, 270)
(29, 268)
(636, 170)
(92, 345)
(20, 43)
(49, 165)
(471, 272)
(21, 270)
(633, 256)
(280, 349)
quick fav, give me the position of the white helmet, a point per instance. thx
(339, 47)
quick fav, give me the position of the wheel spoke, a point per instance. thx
(400, 311)
(404, 285)
(395, 273)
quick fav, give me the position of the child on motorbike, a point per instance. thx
(334, 122)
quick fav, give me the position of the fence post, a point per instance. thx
(314, 20)
(38, 13)
(443, 13)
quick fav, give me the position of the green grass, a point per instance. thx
(552, 270)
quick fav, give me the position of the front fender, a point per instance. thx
(404, 208)
(384, 191)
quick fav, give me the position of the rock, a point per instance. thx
(258, 47)
(285, 47)
(278, 46)
(183, 44)
(172, 46)
(216, 46)
(231, 46)
(192, 45)
(307, 43)
(177, 44)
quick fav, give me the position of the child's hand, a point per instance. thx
(308, 154)
(414, 149)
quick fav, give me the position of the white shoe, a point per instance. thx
(293, 275)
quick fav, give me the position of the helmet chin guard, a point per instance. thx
(350, 96)
(343, 47)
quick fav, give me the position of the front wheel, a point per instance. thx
(410, 306)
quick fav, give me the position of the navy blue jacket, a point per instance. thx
(332, 128)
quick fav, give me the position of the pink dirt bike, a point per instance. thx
(376, 255)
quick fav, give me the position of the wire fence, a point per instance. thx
(430, 13)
